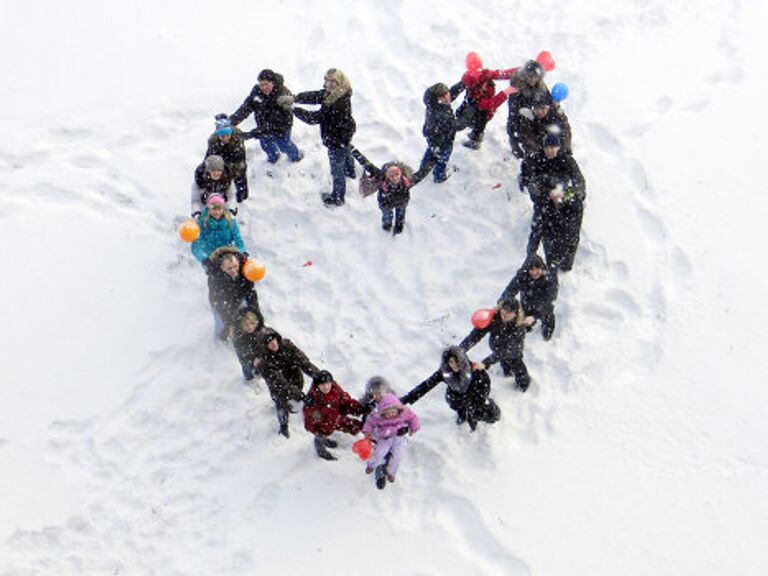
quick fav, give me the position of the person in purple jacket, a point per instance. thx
(388, 427)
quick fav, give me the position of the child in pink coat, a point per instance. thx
(389, 427)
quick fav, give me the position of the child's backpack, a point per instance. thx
(368, 185)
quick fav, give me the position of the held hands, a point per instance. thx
(478, 366)
(529, 320)
(510, 90)
(285, 101)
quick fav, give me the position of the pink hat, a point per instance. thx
(215, 199)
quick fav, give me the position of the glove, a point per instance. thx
(285, 101)
(403, 431)
(246, 254)
(196, 213)
(233, 211)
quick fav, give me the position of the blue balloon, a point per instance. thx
(559, 92)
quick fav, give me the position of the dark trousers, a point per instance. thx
(517, 367)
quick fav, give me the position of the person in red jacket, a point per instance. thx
(327, 408)
(481, 99)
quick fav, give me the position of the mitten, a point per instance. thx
(285, 101)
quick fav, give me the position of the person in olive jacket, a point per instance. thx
(327, 408)
(283, 366)
(439, 127)
(229, 291)
(394, 181)
(273, 121)
(537, 286)
(337, 126)
(249, 342)
(467, 389)
(507, 333)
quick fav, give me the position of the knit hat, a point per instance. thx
(214, 199)
(535, 261)
(214, 163)
(223, 125)
(533, 68)
(321, 377)
(389, 400)
(269, 76)
(551, 140)
(510, 304)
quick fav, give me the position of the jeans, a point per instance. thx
(441, 156)
(399, 215)
(273, 145)
(342, 165)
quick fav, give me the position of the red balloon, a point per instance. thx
(483, 317)
(545, 59)
(474, 62)
(363, 448)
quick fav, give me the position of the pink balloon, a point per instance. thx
(474, 63)
(545, 59)
(483, 317)
(363, 448)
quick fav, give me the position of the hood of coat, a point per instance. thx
(217, 254)
(433, 93)
(457, 381)
(271, 334)
(389, 400)
(343, 86)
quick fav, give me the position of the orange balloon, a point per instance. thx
(254, 270)
(189, 231)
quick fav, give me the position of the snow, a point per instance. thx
(128, 442)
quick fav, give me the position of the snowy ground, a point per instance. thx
(128, 443)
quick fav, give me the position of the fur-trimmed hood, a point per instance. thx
(342, 89)
(458, 382)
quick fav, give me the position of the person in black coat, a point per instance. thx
(273, 121)
(229, 143)
(549, 167)
(439, 127)
(249, 342)
(337, 126)
(229, 291)
(538, 288)
(394, 182)
(213, 176)
(507, 340)
(467, 390)
(540, 116)
(283, 366)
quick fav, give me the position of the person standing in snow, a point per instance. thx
(467, 390)
(439, 128)
(481, 100)
(375, 389)
(273, 121)
(389, 427)
(213, 176)
(337, 126)
(283, 366)
(229, 292)
(217, 228)
(249, 343)
(394, 182)
(538, 288)
(507, 333)
(327, 408)
(531, 124)
(549, 167)
(229, 143)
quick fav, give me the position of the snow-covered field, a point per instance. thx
(128, 442)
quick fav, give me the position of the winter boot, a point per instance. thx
(397, 229)
(321, 450)
(548, 326)
(284, 430)
(381, 477)
(330, 443)
(491, 412)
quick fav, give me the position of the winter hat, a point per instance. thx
(223, 125)
(551, 140)
(214, 163)
(510, 304)
(377, 384)
(321, 377)
(269, 76)
(389, 400)
(533, 68)
(214, 199)
(271, 334)
(535, 261)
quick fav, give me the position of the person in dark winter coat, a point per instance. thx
(467, 390)
(249, 343)
(337, 126)
(328, 408)
(507, 340)
(439, 128)
(228, 290)
(213, 176)
(529, 83)
(543, 117)
(481, 100)
(229, 143)
(549, 167)
(273, 121)
(394, 181)
(217, 228)
(283, 366)
(375, 389)
(538, 288)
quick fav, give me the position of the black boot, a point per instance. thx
(381, 476)
(284, 430)
(321, 450)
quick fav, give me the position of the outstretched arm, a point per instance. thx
(365, 163)
(422, 388)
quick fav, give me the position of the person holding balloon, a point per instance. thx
(467, 392)
(217, 228)
(528, 81)
(230, 290)
(389, 427)
(545, 116)
(538, 287)
(549, 167)
(506, 331)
